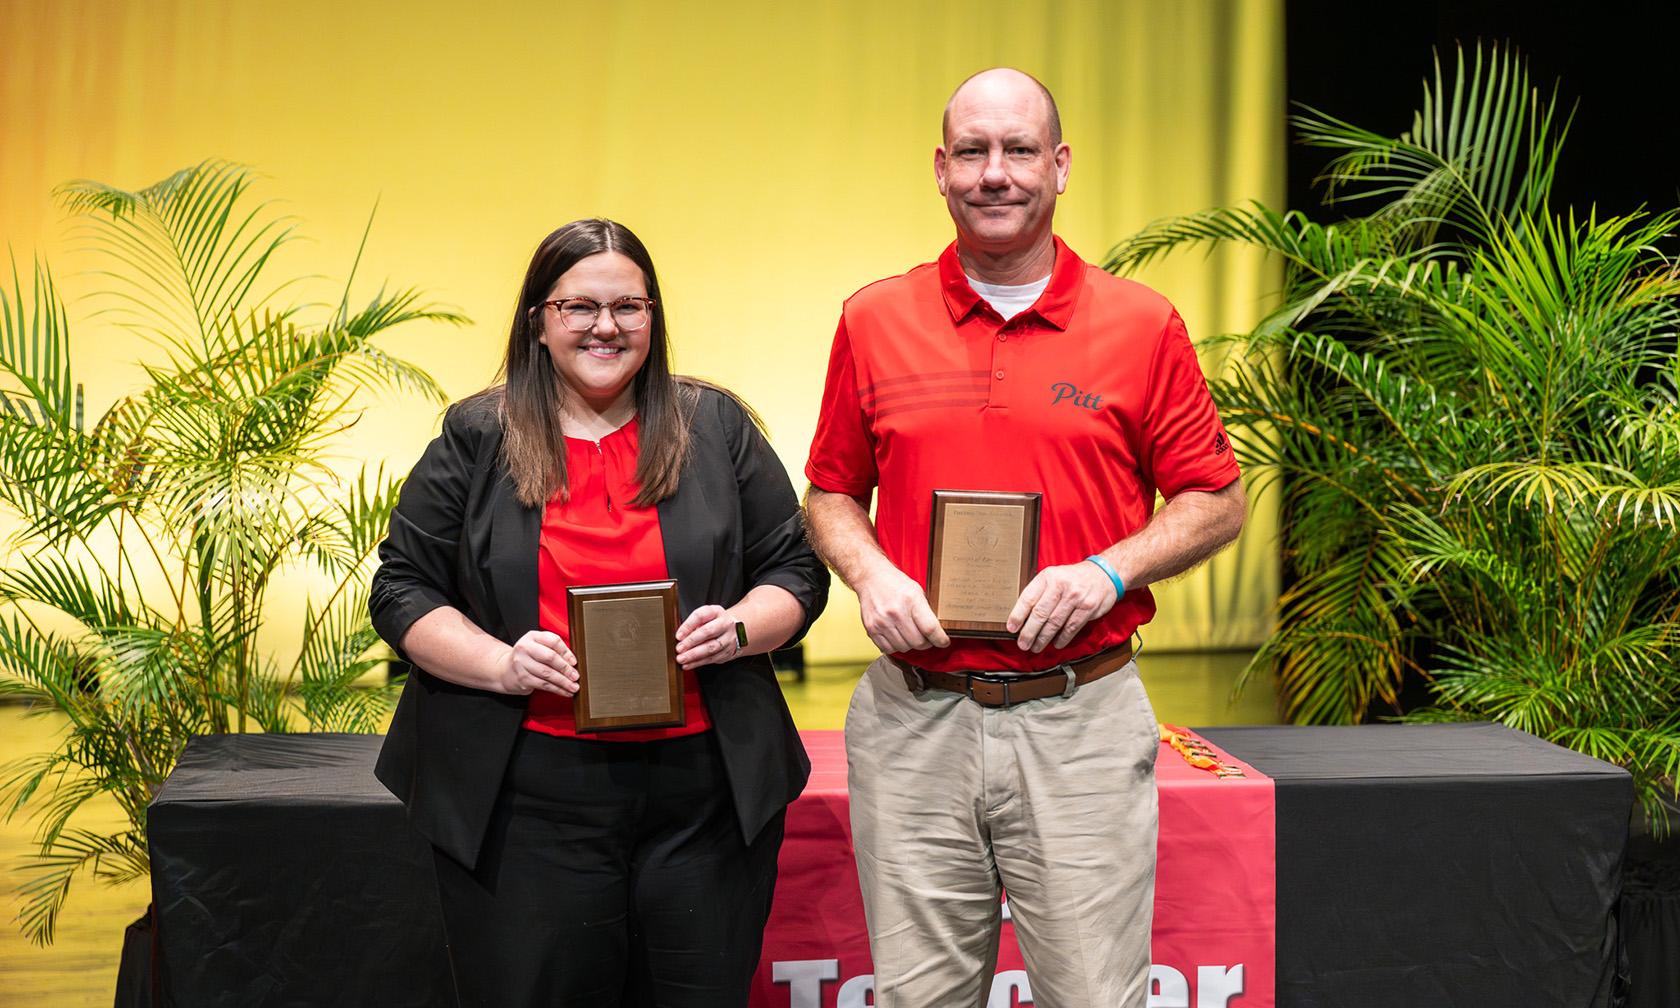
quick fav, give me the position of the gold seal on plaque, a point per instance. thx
(625, 630)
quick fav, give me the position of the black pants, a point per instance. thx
(613, 873)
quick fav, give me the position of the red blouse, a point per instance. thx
(599, 537)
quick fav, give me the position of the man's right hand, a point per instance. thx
(896, 614)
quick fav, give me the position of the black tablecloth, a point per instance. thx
(283, 874)
(1649, 921)
(1431, 865)
(1417, 867)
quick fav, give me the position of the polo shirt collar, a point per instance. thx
(1054, 306)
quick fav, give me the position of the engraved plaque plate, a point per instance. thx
(624, 637)
(984, 551)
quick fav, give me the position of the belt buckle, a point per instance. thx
(995, 680)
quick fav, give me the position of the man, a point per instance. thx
(1011, 365)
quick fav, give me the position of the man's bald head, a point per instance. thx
(1001, 80)
(1000, 167)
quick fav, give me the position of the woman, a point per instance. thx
(631, 867)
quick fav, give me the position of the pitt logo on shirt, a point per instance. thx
(1078, 397)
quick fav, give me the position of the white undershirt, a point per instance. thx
(1009, 301)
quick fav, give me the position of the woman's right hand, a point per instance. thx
(540, 660)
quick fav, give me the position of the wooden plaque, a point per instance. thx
(984, 551)
(624, 636)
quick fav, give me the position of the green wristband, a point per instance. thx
(1113, 575)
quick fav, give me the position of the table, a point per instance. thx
(1414, 865)
(284, 874)
(1437, 865)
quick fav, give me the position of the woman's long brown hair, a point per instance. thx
(529, 401)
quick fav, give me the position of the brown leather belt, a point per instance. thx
(1000, 689)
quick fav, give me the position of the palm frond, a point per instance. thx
(46, 878)
(192, 252)
(1479, 150)
(342, 536)
(35, 351)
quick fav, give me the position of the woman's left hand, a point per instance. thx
(707, 637)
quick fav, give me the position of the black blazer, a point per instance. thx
(460, 537)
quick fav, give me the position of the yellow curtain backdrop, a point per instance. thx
(774, 157)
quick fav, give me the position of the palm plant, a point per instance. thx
(1473, 402)
(145, 546)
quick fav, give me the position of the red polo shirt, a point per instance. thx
(1092, 397)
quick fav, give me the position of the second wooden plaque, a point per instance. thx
(984, 550)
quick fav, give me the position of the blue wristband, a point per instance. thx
(1102, 565)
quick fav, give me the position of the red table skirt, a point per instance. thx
(1214, 934)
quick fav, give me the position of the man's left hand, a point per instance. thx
(1057, 604)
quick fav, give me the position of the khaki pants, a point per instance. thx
(1053, 799)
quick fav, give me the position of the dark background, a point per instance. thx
(1617, 62)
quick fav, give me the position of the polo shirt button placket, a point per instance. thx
(999, 357)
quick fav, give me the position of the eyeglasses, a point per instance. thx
(579, 313)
